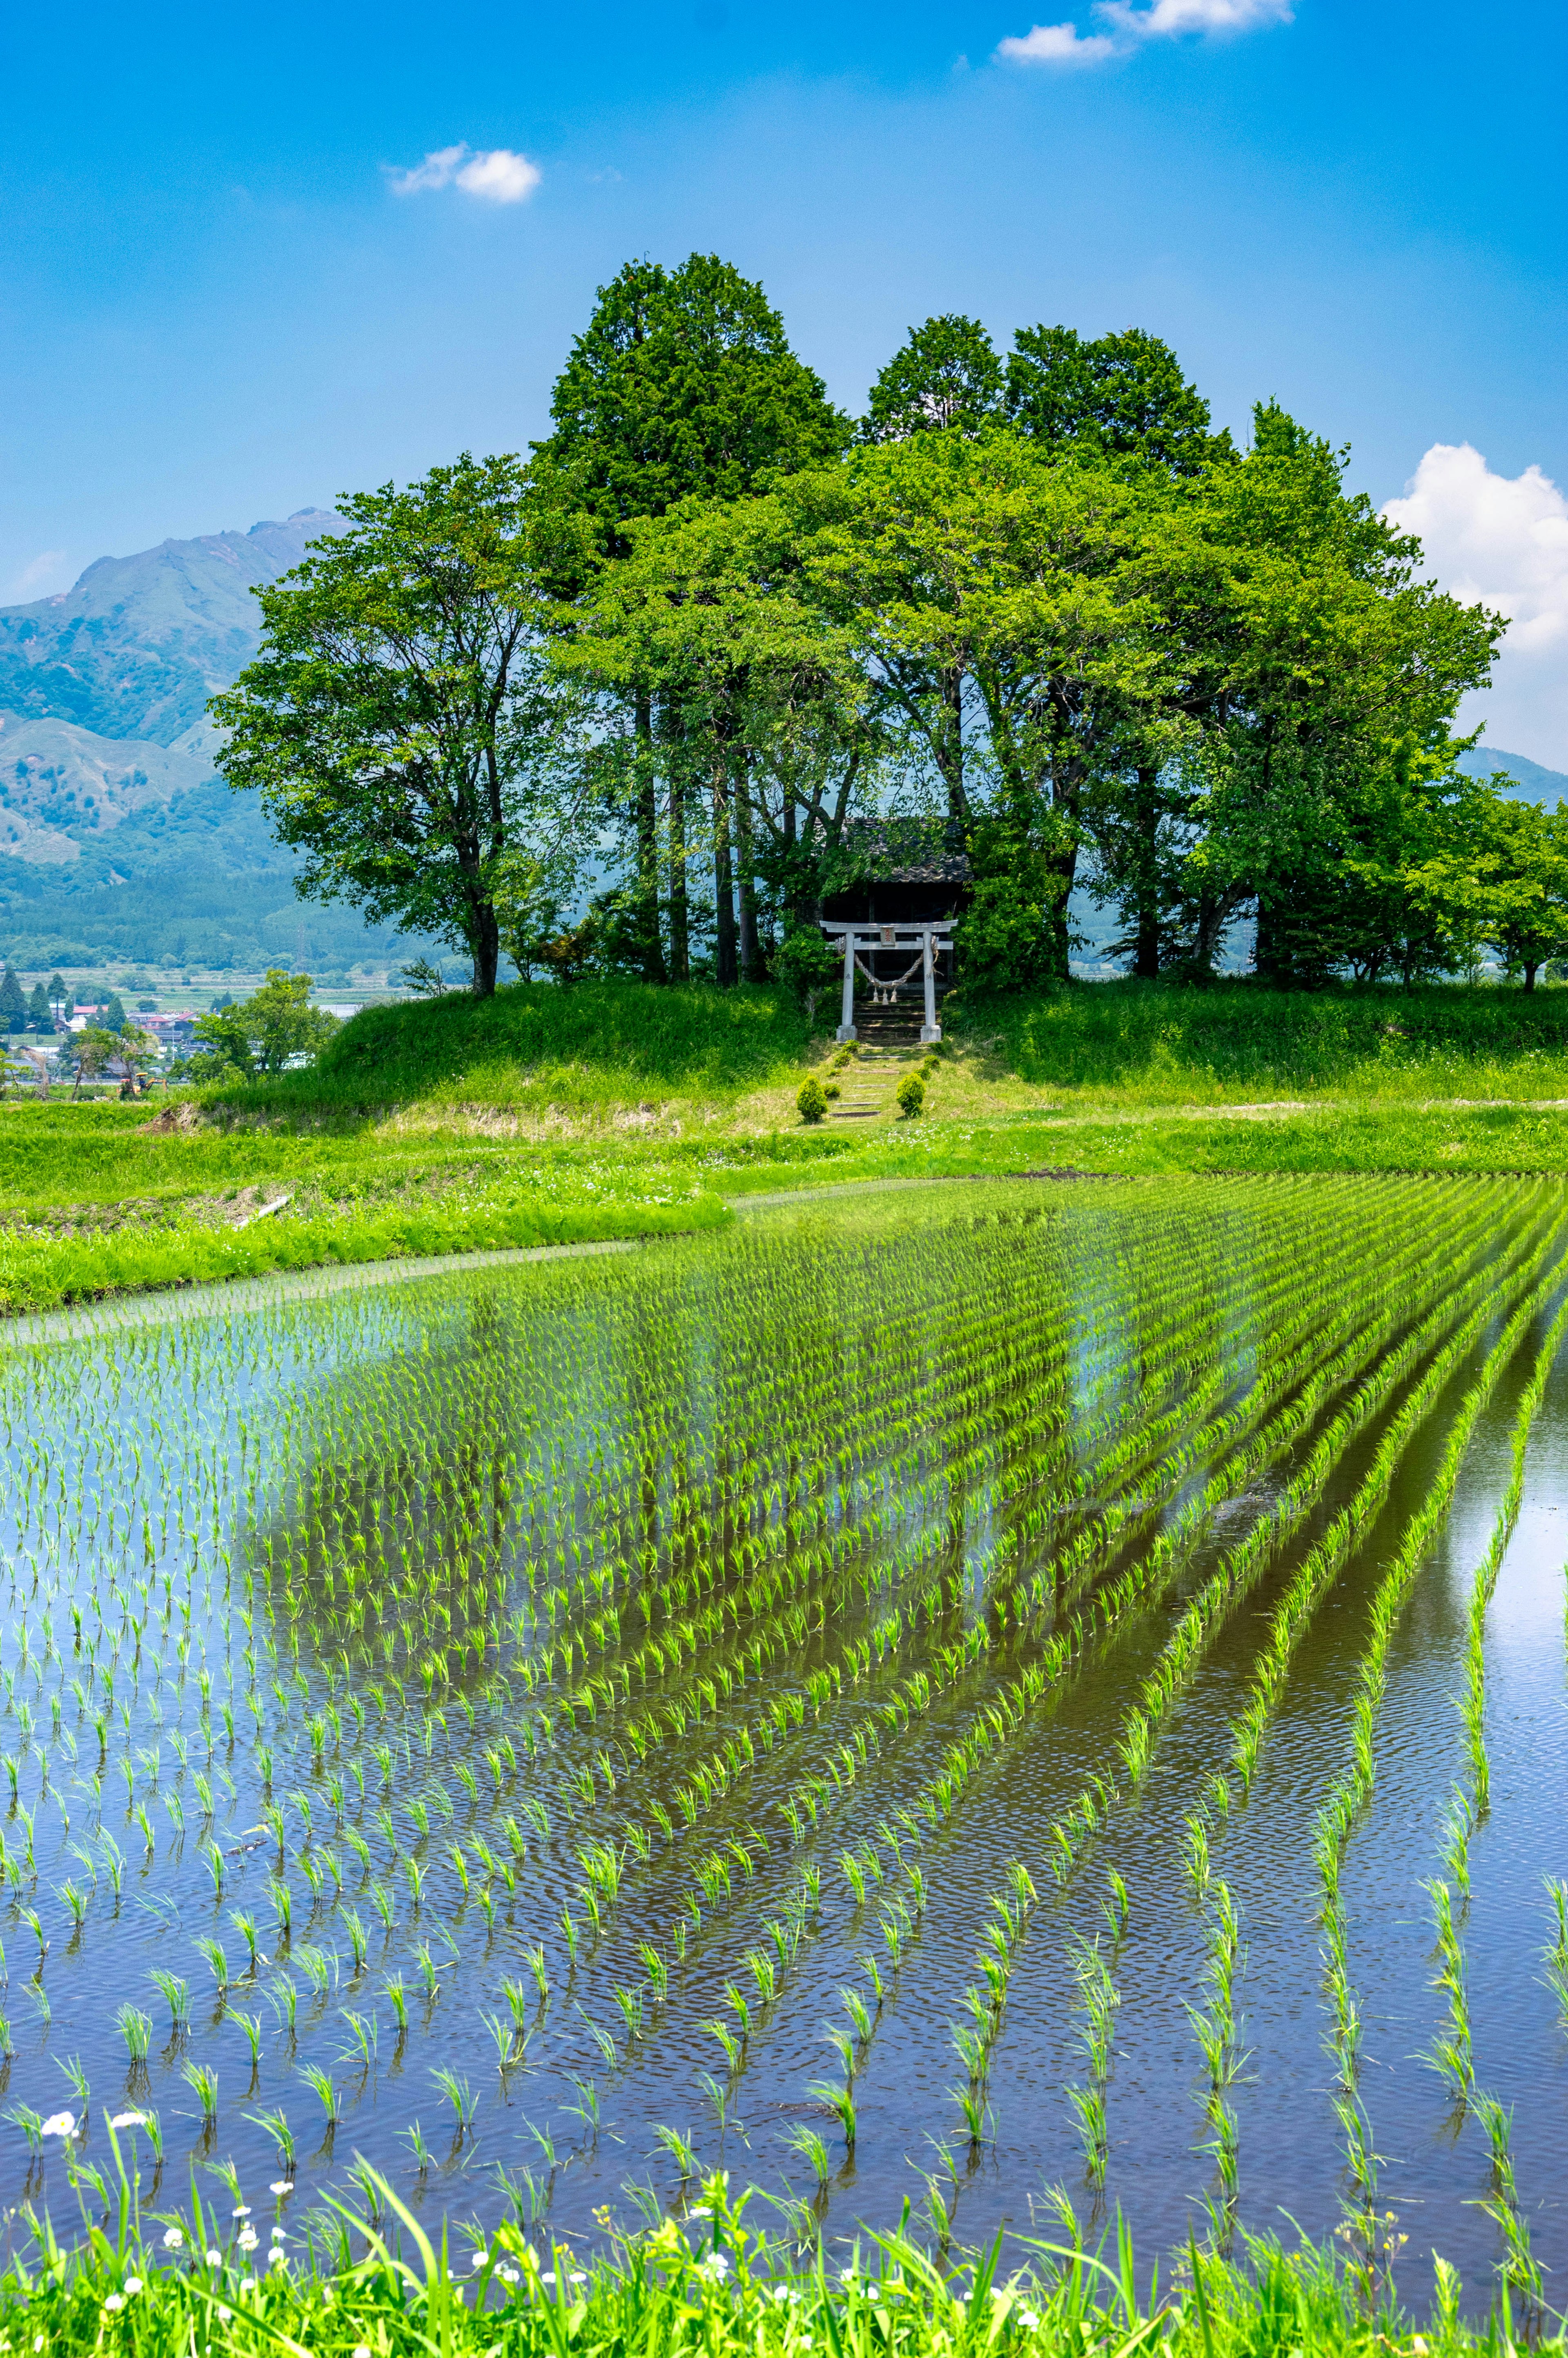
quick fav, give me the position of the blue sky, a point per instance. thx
(217, 305)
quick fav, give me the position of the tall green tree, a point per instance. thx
(13, 1003)
(1497, 872)
(682, 386)
(1118, 397)
(995, 602)
(946, 373)
(398, 722)
(713, 608)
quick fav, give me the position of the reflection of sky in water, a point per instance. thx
(564, 1419)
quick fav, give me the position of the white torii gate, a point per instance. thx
(928, 942)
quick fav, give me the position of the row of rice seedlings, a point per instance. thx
(1215, 2029)
(1293, 1380)
(1353, 1789)
(1240, 1566)
(1452, 2049)
(1096, 1995)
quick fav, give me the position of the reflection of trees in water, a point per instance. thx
(393, 1545)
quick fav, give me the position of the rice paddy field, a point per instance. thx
(1023, 1699)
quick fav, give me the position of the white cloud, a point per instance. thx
(45, 572)
(1055, 45)
(1169, 19)
(1504, 540)
(498, 175)
(1064, 45)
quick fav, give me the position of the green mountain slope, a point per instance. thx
(140, 644)
(116, 837)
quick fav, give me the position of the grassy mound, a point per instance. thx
(591, 1048)
(1166, 1041)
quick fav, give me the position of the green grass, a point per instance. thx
(1163, 1043)
(713, 2287)
(523, 1120)
(534, 1047)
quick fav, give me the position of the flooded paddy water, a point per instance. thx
(1025, 1699)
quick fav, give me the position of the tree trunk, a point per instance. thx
(673, 729)
(1530, 967)
(485, 942)
(1146, 829)
(647, 818)
(723, 875)
(1265, 962)
(953, 747)
(1066, 797)
(746, 879)
(680, 901)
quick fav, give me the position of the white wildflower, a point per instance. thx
(173, 2239)
(115, 2300)
(248, 2239)
(127, 2120)
(59, 2124)
(133, 2284)
(281, 2186)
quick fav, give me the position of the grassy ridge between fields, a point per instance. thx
(705, 2287)
(1129, 1080)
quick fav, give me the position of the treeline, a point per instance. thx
(1031, 602)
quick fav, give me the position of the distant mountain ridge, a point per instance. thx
(138, 644)
(117, 839)
(1531, 784)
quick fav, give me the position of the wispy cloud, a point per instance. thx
(499, 176)
(46, 572)
(1130, 26)
(1502, 539)
(1169, 19)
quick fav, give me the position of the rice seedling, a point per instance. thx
(202, 2081)
(324, 2088)
(460, 2097)
(680, 2151)
(808, 2144)
(136, 2030)
(1556, 1956)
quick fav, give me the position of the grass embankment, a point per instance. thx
(706, 2284)
(545, 1116)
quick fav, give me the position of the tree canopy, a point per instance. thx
(1033, 602)
(400, 723)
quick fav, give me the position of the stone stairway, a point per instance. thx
(888, 1047)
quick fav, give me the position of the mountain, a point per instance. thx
(1529, 782)
(140, 644)
(118, 839)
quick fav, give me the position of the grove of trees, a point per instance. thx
(621, 703)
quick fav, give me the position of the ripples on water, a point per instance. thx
(318, 1497)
